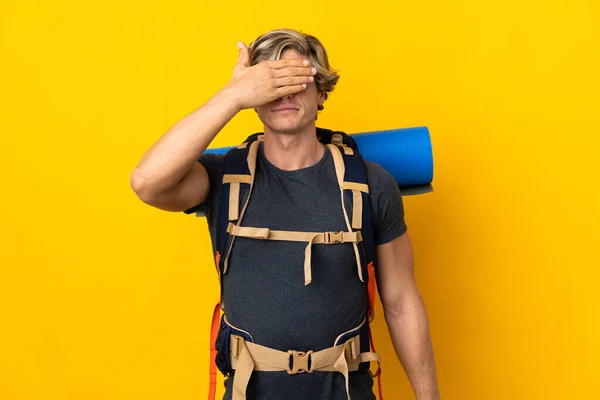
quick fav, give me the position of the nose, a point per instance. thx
(287, 97)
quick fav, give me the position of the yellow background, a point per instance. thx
(104, 297)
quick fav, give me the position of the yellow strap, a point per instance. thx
(268, 359)
(310, 237)
(338, 162)
(342, 358)
(357, 209)
(308, 260)
(368, 357)
(249, 232)
(361, 187)
(348, 150)
(342, 366)
(337, 139)
(294, 236)
(234, 192)
(234, 200)
(230, 178)
(252, 153)
(340, 170)
(242, 374)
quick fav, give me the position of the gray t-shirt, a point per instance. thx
(264, 291)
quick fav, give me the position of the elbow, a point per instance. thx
(401, 306)
(139, 184)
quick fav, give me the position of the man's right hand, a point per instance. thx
(168, 176)
(267, 81)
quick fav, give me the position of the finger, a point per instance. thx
(294, 71)
(244, 56)
(288, 62)
(286, 90)
(293, 80)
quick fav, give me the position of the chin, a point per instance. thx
(285, 126)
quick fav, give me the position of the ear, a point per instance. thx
(321, 98)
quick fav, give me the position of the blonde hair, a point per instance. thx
(271, 45)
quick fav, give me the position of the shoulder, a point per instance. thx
(213, 163)
(386, 204)
(379, 179)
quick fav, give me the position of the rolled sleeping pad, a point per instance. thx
(405, 153)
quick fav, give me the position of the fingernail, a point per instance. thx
(239, 45)
(314, 70)
(304, 85)
(305, 62)
(310, 78)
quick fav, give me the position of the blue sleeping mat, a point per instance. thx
(405, 153)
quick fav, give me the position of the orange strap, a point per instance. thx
(371, 291)
(214, 332)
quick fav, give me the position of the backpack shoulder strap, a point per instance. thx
(239, 168)
(339, 138)
(238, 178)
(351, 172)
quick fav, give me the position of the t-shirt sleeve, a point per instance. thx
(213, 163)
(386, 204)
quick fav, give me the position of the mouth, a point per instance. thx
(285, 109)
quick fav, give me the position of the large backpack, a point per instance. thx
(238, 177)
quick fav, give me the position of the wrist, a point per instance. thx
(231, 95)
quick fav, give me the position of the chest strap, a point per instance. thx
(309, 237)
(247, 357)
(354, 225)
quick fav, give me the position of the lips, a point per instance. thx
(287, 108)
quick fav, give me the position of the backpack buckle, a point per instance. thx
(299, 362)
(351, 350)
(359, 237)
(334, 237)
(238, 344)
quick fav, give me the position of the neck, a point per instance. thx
(292, 151)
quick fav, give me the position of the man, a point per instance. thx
(285, 77)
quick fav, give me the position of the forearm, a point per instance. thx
(171, 157)
(409, 331)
